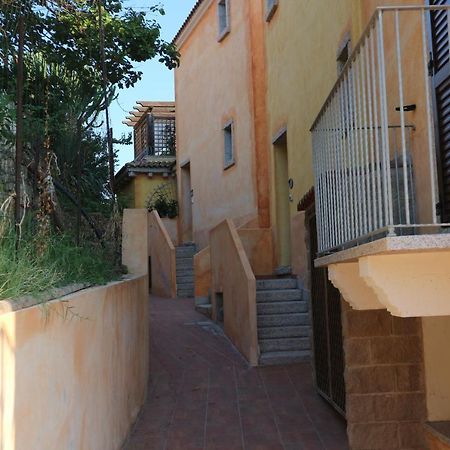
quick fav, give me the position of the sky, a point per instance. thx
(157, 81)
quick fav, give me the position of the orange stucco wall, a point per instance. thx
(74, 372)
(233, 277)
(217, 82)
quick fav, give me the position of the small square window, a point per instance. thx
(271, 7)
(228, 148)
(223, 12)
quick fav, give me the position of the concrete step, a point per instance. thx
(282, 332)
(185, 263)
(183, 271)
(205, 309)
(185, 293)
(185, 278)
(284, 295)
(186, 251)
(276, 283)
(282, 307)
(274, 358)
(185, 286)
(283, 320)
(284, 344)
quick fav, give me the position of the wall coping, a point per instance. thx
(397, 244)
(56, 294)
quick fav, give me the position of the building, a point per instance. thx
(152, 173)
(321, 128)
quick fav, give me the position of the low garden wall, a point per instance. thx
(74, 372)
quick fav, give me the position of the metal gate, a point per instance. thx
(327, 331)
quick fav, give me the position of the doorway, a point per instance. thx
(186, 206)
(283, 216)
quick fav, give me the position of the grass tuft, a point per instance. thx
(29, 272)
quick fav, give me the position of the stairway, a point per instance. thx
(283, 321)
(185, 270)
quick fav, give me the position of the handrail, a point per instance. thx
(363, 163)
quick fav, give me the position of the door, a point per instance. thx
(440, 73)
(327, 331)
(282, 201)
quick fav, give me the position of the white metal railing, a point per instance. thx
(363, 158)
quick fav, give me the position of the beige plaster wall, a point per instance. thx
(436, 339)
(74, 372)
(171, 225)
(202, 272)
(299, 251)
(233, 277)
(163, 258)
(135, 240)
(258, 246)
(213, 86)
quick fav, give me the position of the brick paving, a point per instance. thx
(202, 394)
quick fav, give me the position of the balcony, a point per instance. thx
(376, 175)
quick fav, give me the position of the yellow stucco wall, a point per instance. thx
(301, 43)
(74, 372)
(145, 185)
(136, 191)
(213, 86)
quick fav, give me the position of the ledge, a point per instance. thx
(397, 244)
(16, 304)
(407, 275)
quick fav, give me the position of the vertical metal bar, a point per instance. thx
(376, 130)
(324, 193)
(371, 166)
(384, 125)
(368, 215)
(316, 183)
(358, 145)
(337, 172)
(347, 144)
(350, 152)
(397, 181)
(343, 150)
(339, 163)
(431, 149)
(402, 115)
(331, 190)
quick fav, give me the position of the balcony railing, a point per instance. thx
(368, 174)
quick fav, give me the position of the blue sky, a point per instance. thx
(157, 81)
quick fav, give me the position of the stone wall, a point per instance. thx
(384, 380)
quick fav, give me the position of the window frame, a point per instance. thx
(228, 130)
(224, 30)
(271, 7)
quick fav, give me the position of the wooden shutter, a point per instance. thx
(440, 71)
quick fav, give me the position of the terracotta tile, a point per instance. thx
(202, 395)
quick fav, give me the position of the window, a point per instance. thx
(228, 149)
(271, 7)
(223, 12)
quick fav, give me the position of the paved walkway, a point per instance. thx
(203, 395)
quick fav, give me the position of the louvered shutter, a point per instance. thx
(439, 33)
